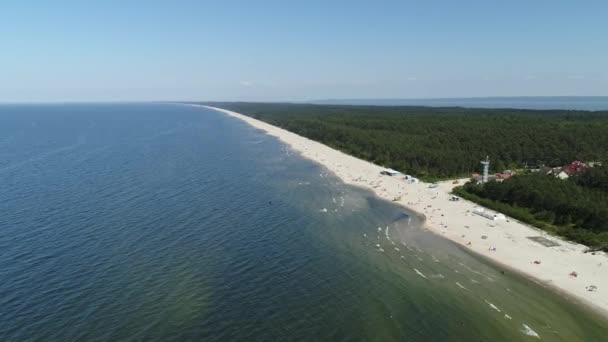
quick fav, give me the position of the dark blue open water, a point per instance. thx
(167, 222)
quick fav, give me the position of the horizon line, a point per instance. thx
(309, 100)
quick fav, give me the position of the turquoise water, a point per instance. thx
(166, 222)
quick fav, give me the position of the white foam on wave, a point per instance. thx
(459, 285)
(397, 249)
(492, 306)
(528, 331)
(470, 269)
(507, 316)
(420, 273)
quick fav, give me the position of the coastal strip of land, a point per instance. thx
(546, 259)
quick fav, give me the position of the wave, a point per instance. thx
(528, 331)
(38, 157)
(420, 273)
(492, 306)
(462, 287)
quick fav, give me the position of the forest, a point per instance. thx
(439, 143)
(594, 178)
(576, 208)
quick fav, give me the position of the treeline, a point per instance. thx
(578, 212)
(594, 178)
(443, 142)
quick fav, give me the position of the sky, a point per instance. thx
(300, 50)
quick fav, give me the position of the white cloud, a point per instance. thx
(411, 78)
(246, 83)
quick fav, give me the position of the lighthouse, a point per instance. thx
(486, 168)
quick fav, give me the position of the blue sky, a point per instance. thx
(300, 50)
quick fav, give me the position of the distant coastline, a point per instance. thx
(590, 103)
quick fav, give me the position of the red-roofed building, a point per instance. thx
(502, 176)
(575, 168)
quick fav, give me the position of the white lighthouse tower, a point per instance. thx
(486, 168)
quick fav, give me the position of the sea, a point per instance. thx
(158, 222)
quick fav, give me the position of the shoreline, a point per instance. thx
(456, 222)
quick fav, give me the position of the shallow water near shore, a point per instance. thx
(159, 222)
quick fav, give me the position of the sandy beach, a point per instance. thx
(506, 242)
